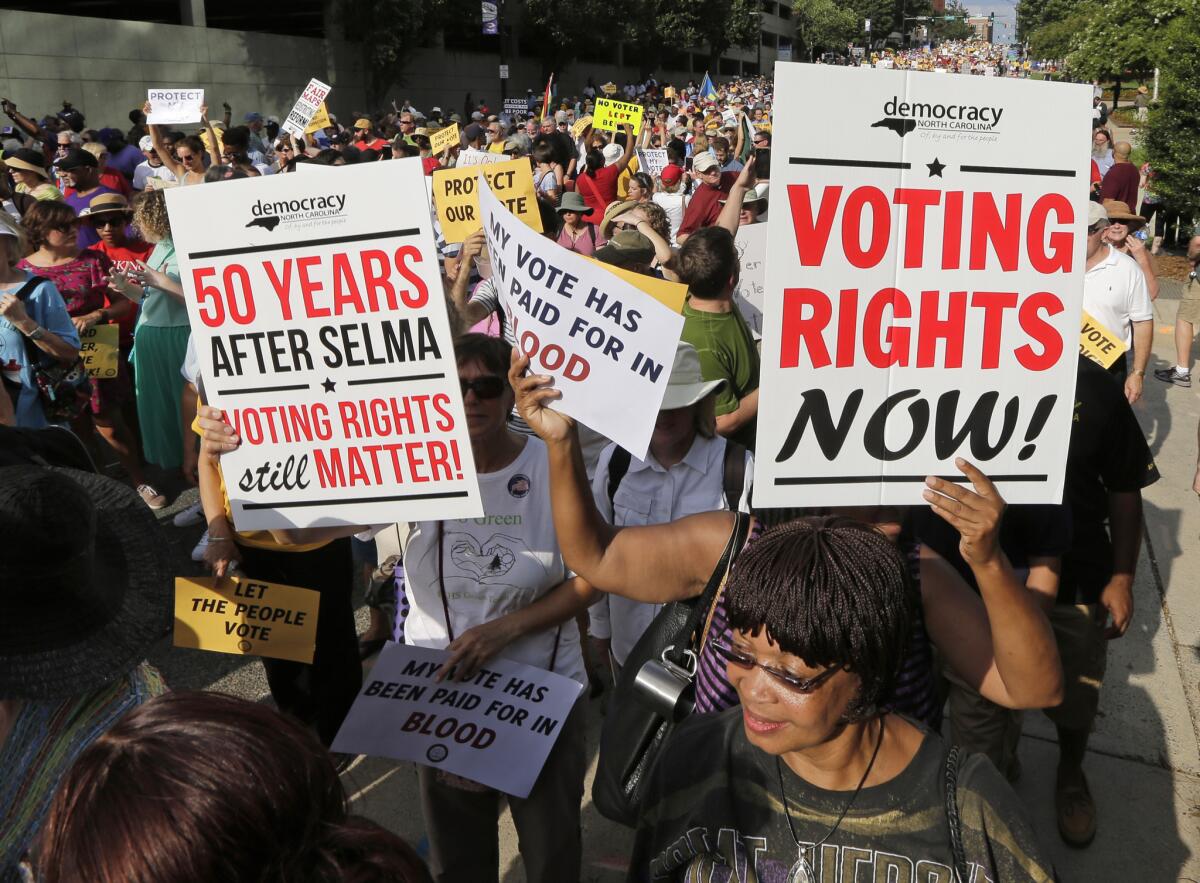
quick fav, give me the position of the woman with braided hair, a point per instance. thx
(199, 787)
(999, 642)
(811, 773)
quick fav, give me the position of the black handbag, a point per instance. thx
(654, 692)
(65, 391)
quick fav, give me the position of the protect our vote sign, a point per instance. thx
(317, 313)
(174, 106)
(456, 196)
(923, 288)
(608, 345)
(246, 617)
(496, 727)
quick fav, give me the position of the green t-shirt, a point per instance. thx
(713, 804)
(727, 352)
(159, 308)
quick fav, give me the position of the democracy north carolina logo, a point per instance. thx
(300, 212)
(903, 117)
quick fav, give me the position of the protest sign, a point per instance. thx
(670, 294)
(305, 108)
(580, 126)
(923, 288)
(468, 158)
(243, 616)
(613, 116)
(496, 728)
(319, 121)
(751, 243)
(456, 196)
(608, 344)
(1098, 343)
(173, 106)
(98, 349)
(321, 331)
(516, 105)
(443, 138)
(668, 92)
(652, 162)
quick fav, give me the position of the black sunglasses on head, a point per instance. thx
(487, 387)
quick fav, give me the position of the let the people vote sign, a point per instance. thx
(608, 344)
(496, 727)
(169, 107)
(924, 282)
(246, 617)
(317, 311)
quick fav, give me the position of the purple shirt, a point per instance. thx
(87, 235)
(126, 160)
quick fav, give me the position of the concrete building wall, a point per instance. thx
(104, 67)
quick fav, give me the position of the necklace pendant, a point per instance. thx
(802, 871)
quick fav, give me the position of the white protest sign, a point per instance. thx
(479, 158)
(170, 107)
(317, 312)
(495, 728)
(652, 161)
(609, 345)
(751, 243)
(305, 108)
(923, 289)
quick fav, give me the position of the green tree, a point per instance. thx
(1172, 147)
(561, 29)
(717, 24)
(1058, 39)
(1123, 40)
(385, 29)
(824, 24)
(954, 29)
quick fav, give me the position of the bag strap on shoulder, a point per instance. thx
(685, 638)
(618, 465)
(734, 473)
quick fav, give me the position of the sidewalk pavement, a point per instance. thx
(1144, 759)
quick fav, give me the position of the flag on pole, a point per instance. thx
(548, 97)
(708, 91)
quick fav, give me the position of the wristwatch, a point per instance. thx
(37, 333)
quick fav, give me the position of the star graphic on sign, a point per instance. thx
(935, 167)
(328, 385)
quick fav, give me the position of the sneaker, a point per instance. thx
(198, 551)
(1174, 375)
(151, 497)
(193, 514)
(1076, 812)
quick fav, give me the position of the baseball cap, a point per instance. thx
(1096, 214)
(362, 123)
(76, 158)
(252, 116)
(704, 162)
(146, 144)
(473, 132)
(671, 174)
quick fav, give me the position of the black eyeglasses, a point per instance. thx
(747, 662)
(99, 223)
(186, 157)
(487, 387)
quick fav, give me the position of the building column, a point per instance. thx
(191, 12)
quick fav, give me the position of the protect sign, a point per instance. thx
(301, 115)
(456, 196)
(246, 617)
(612, 115)
(608, 344)
(443, 138)
(174, 106)
(923, 288)
(496, 728)
(318, 319)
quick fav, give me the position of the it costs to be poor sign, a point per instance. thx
(924, 283)
(322, 334)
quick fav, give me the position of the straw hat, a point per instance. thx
(1119, 213)
(84, 587)
(29, 161)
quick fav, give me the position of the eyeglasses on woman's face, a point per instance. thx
(489, 386)
(109, 220)
(740, 658)
(186, 158)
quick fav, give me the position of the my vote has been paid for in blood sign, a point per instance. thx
(316, 309)
(924, 281)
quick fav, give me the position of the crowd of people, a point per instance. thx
(840, 639)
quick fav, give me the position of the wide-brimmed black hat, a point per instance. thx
(84, 586)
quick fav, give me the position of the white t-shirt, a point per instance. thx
(1115, 294)
(493, 566)
(649, 494)
(674, 205)
(145, 170)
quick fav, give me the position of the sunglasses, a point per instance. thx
(66, 226)
(747, 662)
(489, 387)
(101, 222)
(186, 157)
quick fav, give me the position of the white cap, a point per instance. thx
(146, 144)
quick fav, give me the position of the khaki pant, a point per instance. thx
(463, 825)
(1079, 631)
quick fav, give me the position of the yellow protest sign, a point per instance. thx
(456, 196)
(669, 294)
(1098, 343)
(98, 349)
(443, 138)
(319, 121)
(669, 92)
(244, 616)
(612, 115)
(580, 125)
(609, 88)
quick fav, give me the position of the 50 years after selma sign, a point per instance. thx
(316, 308)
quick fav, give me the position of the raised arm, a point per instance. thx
(623, 162)
(999, 642)
(160, 147)
(460, 292)
(657, 563)
(745, 182)
(214, 143)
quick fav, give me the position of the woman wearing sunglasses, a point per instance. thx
(812, 774)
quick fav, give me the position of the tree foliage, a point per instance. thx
(824, 24)
(1120, 39)
(1170, 141)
